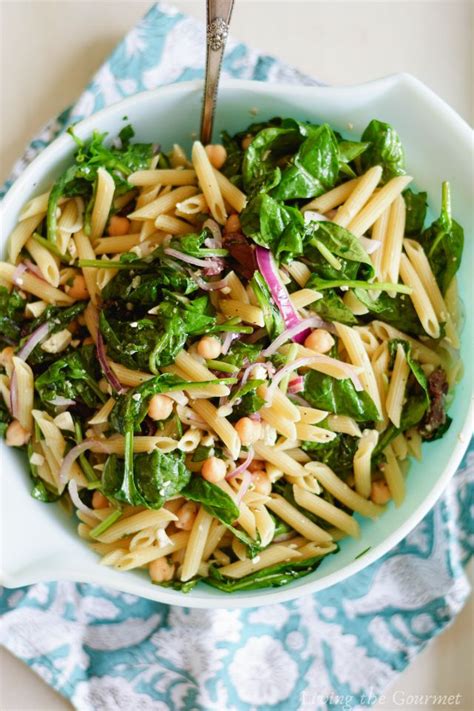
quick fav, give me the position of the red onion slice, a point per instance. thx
(215, 231)
(269, 271)
(74, 453)
(305, 326)
(21, 268)
(34, 270)
(246, 481)
(296, 385)
(370, 245)
(227, 342)
(106, 369)
(209, 285)
(242, 467)
(76, 499)
(38, 335)
(62, 401)
(204, 263)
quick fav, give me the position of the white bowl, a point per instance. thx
(39, 541)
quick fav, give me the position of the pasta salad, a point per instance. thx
(220, 362)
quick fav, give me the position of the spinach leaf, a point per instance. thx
(313, 169)
(75, 377)
(247, 401)
(183, 586)
(332, 308)
(353, 261)
(214, 500)
(337, 454)
(241, 354)
(416, 204)
(80, 178)
(260, 164)
(157, 477)
(397, 310)
(12, 307)
(274, 225)
(271, 577)
(137, 343)
(272, 317)
(349, 151)
(338, 396)
(385, 149)
(443, 243)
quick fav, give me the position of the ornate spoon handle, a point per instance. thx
(218, 19)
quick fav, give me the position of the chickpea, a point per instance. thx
(160, 407)
(78, 289)
(246, 142)
(320, 341)
(16, 435)
(213, 469)
(6, 359)
(118, 226)
(380, 493)
(160, 570)
(99, 501)
(217, 155)
(232, 224)
(249, 431)
(261, 482)
(209, 347)
(186, 516)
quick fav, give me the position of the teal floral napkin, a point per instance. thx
(339, 649)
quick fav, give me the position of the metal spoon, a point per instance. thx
(218, 19)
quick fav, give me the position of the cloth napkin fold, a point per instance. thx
(338, 649)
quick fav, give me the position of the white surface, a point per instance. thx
(341, 42)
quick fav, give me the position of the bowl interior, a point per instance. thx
(43, 543)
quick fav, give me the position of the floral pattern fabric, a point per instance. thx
(338, 649)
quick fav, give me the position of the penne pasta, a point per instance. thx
(378, 204)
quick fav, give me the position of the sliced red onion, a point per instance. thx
(304, 326)
(256, 416)
(313, 216)
(21, 268)
(106, 369)
(209, 285)
(269, 270)
(61, 401)
(74, 453)
(296, 385)
(34, 269)
(370, 245)
(227, 342)
(242, 467)
(76, 499)
(215, 231)
(246, 481)
(300, 400)
(14, 395)
(38, 335)
(217, 266)
(204, 263)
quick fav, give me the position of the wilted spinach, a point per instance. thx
(385, 149)
(75, 377)
(416, 204)
(157, 477)
(12, 307)
(443, 243)
(338, 396)
(272, 317)
(337, 454)
(80, 178)
(397, 310)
